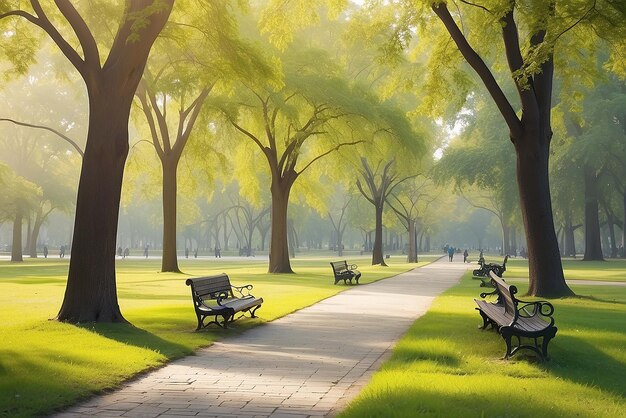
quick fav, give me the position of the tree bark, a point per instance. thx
(16, 246)
(279, 247)
(91, 292)
(569, 241)
(377, 250)
(544, 260)
(412, 250)
(593, 244)
(169, 262)
(32, 248)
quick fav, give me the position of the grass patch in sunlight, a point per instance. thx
(445, 366)
(46, 365)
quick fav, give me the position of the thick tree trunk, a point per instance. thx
(16, 243)
(91, 294)
(593, 244)
(611, 225)
(279, 246)
(544, 260)
(169, 262)
(377, 251)
(623, 255)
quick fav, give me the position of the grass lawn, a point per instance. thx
(46, 364)
(445, 367)
(613, 270)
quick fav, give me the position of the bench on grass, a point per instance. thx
(483, 272)
(213, 296)
(345, 273)
(512, 317)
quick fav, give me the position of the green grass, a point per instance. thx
(45, 365)
(613, 270)
(445, 367)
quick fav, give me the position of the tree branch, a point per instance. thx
(326, 153)
(84, 35)
(481, 69)
(59, 134)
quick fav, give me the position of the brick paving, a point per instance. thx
(307, 364)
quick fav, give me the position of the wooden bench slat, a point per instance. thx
(510, 320)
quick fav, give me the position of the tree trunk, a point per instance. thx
(611, 225)
(91, 294)
(279, 246)
(513, 238)
(623, 254)
(377, 251)
(593, 245)
(339, 243)
(16, 246)
(568, 237)
(544, 260)
(505, 238)
(32, 249)
(412, 251)
(169, 262)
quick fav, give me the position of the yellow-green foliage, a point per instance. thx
(446, 367)
(45, 364)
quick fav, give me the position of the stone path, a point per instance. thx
(307, 364)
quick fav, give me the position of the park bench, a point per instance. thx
(342, 272)
(512, 317)
(483, 272)
(213, 296)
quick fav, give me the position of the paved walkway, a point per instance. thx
(307, 364)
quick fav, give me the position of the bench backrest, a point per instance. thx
(210, 287)
(339, 266)
(506, 294)
(506, 258)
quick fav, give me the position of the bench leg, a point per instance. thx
(546, 340)
(506, 334)
(486, 320)
(252, 313)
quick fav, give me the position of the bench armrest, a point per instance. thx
(353, 267)
(485, 294)
(540, 307)
(241, 289)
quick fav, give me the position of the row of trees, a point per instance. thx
(303, 110)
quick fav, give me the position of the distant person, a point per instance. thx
(218, 252)
(481, 258)
(451, 252)
(186, 252)
(119, 251)
(62, 251)
(145, 251)
(465, 254)
(195, 253)
(45, 251)
(126, 252)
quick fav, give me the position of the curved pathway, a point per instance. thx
(307, 364)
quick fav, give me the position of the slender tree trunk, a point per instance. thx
(513, 238)
(544, 259)
(339, 243)
(279, 247)
(16, 246)
(569, 247)
(611, 225)
(505, 238)
(32, 250)
(623, 255)
(377, 251)
(169, 262)
(412, 253)
(593, 244)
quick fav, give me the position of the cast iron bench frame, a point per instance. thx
(214, 296)
(512, 317)
(341, 271)
(483, 272)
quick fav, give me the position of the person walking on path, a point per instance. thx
(451, 252)
(62, 251)
(465, 254)
(145, 251)
(45, 251)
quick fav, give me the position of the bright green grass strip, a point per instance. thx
(612, 270)
(46, 365)
(446, 367)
